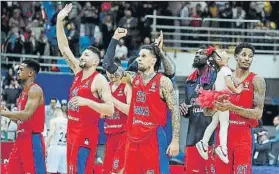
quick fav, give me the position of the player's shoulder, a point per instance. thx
(101, 78)
(259, 81)
(35, 89)
(165, 82)
(225, 69)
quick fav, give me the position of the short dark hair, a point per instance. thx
(155, 50)
(242, 45)
(32, 64)
(95, 50)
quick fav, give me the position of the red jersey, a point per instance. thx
(82, 120)
(245, 100)
(36, 122)
(117, 122)
(147, 110)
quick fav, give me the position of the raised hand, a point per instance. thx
(119, 33)
(64, 12)
(160, 41)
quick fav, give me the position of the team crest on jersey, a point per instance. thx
(150, 172)
(153, 87)
(246, 85)
(86, 141)
(137, 82)
(120, 93)
(86, 84)
(115, 163)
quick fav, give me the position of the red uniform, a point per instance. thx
(146, 144)
(239, 135)
(28, 154)
(83, 133)
(115, 130)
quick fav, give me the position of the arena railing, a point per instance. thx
(223, 33)
(20, 57)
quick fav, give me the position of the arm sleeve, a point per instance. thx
(109, 57)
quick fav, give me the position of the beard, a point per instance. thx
(198, 65)
(82, 65)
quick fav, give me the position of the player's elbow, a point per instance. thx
(26, 116)
(110, 109)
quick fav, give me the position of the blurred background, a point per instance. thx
(28, 30)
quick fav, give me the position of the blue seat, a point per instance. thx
(63, 62)
(84, 43)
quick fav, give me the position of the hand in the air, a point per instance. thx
(160, 41)
(64, 12)
(119, 33)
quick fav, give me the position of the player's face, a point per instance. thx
(23, 72)
(112, 77)
(88, 59)
(146, 60)
(245, 58)
(200, 59)
(276, 121)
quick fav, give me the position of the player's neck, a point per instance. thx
(27, 83)
(117, 83)
(88, 72)
(240, 72)
(148, 75)
(200, 70)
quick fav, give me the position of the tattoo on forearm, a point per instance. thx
(168, 65)
(70, 63)
(258, 101)
(131, 75)
(169, 95)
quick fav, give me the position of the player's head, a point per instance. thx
(90, 57)
(200, 59)
(29, 68)
(149, 58)
(53, 102)
(276, 121)
(217, 57)
(116, 77)
(57, 110)
(244, 54)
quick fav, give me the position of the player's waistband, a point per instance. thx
(116, 133)
(26, 132)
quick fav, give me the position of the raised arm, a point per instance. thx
(35, 95)
(124, 107)
(63, 42)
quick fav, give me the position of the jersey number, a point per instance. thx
(63, 138)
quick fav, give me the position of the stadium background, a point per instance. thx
(28, 30)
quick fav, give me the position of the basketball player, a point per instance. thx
(244, 113)
(115, 126)
(56, 142)
(28, 154)
(152, 92)
(203, 77)
(90, 97)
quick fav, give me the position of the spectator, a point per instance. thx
(184, 13)
(262, 149)
(16, 22)
(146, 41)
(107, 29)
(49, 109)
(238, 13)
(64, 107)
(73, 38)
(276, 124)
(9, 77)
(89, 19)
(11, 93)
(131, 23)
(121, 50)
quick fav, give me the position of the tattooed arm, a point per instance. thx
(63, 42)
(167, 92)
(258, 102)
(168, 64)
